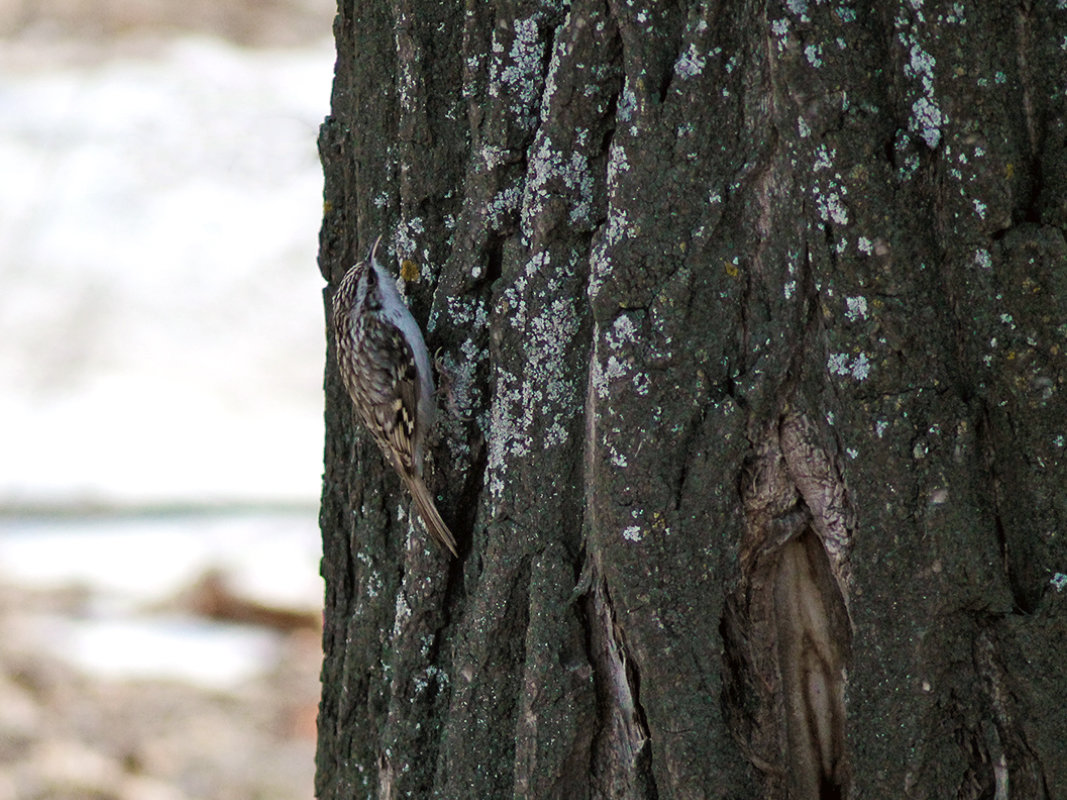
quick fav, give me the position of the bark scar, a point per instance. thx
(788, 630)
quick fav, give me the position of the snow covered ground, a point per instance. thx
(132, 570)
(161, 341)
(160, 309)
(161, 355)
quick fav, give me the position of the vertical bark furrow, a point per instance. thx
(621, 765)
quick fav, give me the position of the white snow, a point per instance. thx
(161, 342)
(138, 561)
(160, 309)
(180, 648)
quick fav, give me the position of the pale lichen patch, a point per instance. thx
(690, 63)
(859, 368)
(927, 118)
(856, 308)
(553, 173)
(517, 75)
(509, 424)
(831, 206)
(617, 228)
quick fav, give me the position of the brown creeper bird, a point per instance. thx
(386, 370)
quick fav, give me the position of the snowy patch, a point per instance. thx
(128, 564)
(161, 313)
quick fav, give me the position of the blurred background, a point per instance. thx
(161, 351)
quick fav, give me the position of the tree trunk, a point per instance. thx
(751, 324)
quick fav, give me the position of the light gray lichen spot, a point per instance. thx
(508, 437)
(842, 364)
(525, 56)
(556, 434)
(622, 331)
(642, 383)
(493, 156)
(824, 158)
(831, 207)
(618, 164)
(927, 119)
(627, 103)
(861, 367)
(856, 308)
(690, 63)
(618, 228)
(505, 202)
(548, 165)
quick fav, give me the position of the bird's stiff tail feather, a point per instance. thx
(436, 527)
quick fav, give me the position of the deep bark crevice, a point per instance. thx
(1016, 765)
(786, 629)
(621, 753)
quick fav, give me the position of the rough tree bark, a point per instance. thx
(752, 322)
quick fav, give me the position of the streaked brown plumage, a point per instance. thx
(386, 370)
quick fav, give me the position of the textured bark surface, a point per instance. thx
(752, 323)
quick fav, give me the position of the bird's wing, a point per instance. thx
(397, 411)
